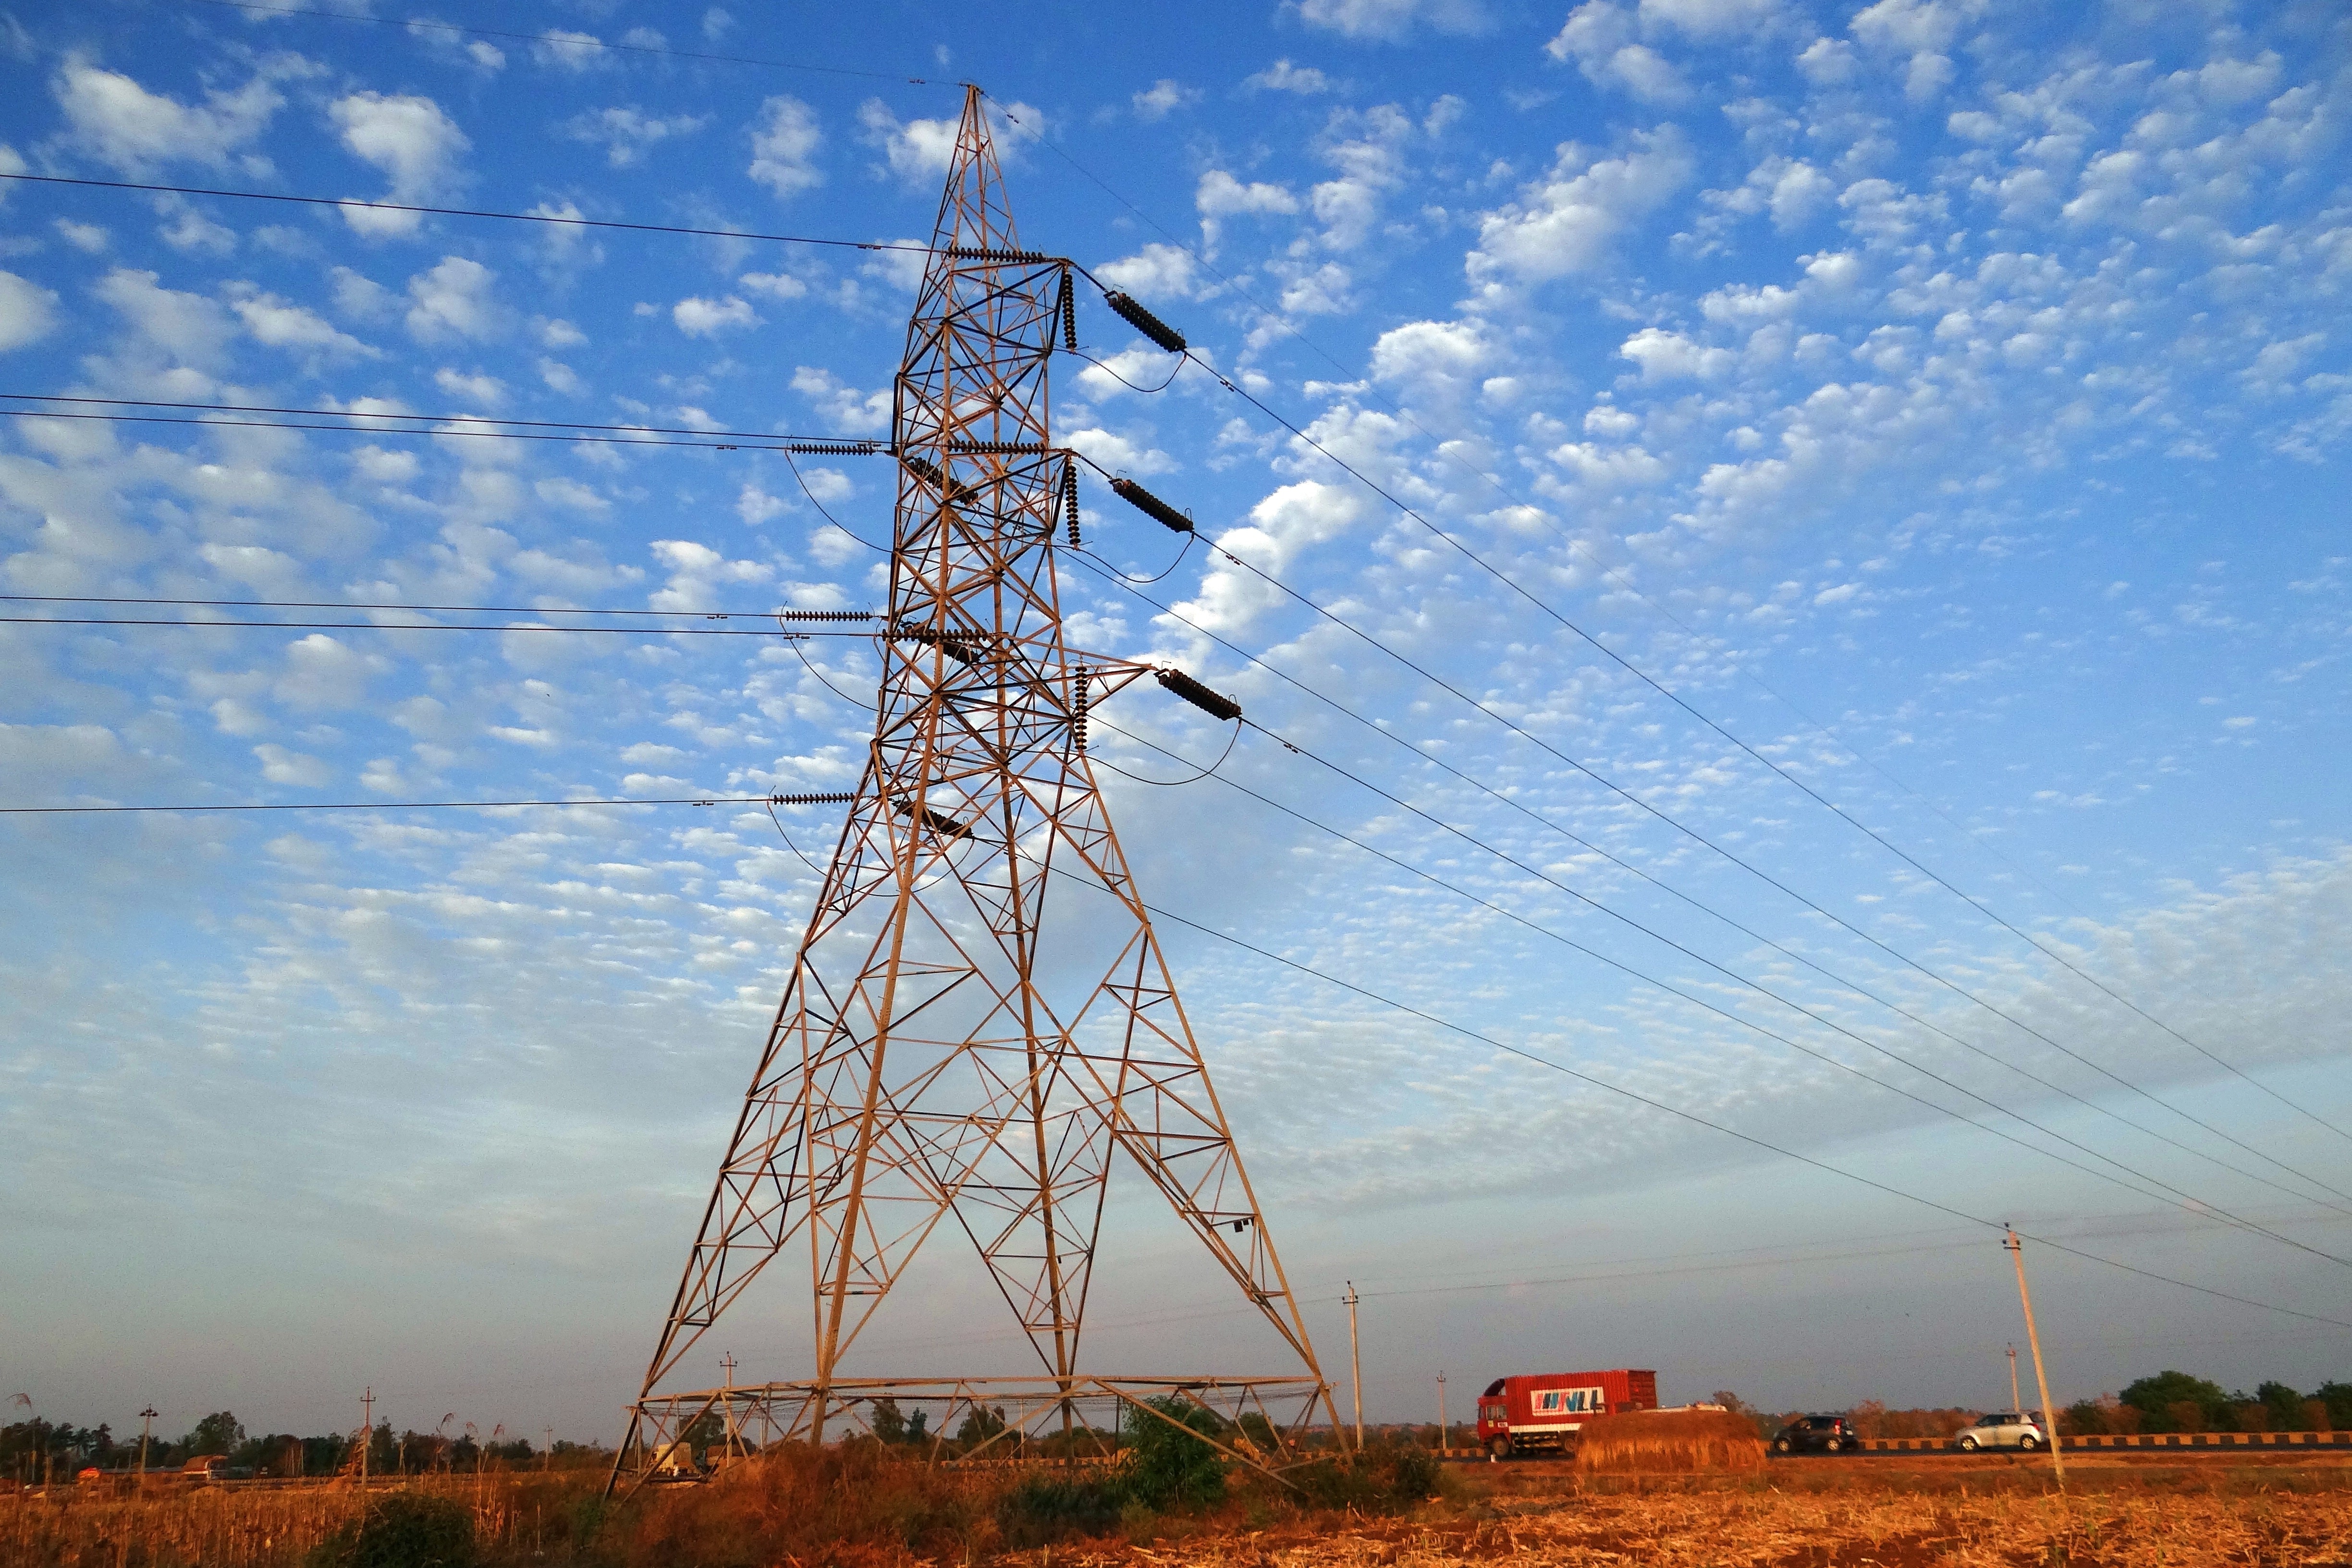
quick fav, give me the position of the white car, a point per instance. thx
(2004, 1429)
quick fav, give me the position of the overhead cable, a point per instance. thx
(1100, 569)
(1489, 713)
(2176, 1193)
(413, 627)
(566, 41)
(437, 609)
(824, 799)
(559, 220)
(1713, 1126)
(1449, 451)
(390, 423)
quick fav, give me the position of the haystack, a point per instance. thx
(1669, 1440)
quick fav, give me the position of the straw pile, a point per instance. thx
(1669, 1440)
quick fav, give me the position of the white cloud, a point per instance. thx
(1565, 222)
(1920, 28)
(919, 151)
(322, 673)
(1156, 272)
(282, 325)
(561, 377)
(88, 238)
(1431, 358)
(411, 141)
(281, 766)
(28, 313)
(1284, 76)
(565, 49)
(756, 506)
(571, 493)
(1391, 21)
(847, 410)
(1119, 454)
(701, 318)
(1600, 36)
(1666, 356)
(1163, 97)
(785, 142)
(774, 285)
(362, 297)
(114, 119)
(453, 300)
(1220, 195)
(185, 327)
(483, 391)
(628, 132)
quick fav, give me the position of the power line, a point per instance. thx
(826, 799)
(2178, 1194)
(1094, 564)
(1450, 452)
(1696, 1119)
(559, 220)
(752, 443)
(428, 609)
(567, 41)
(413, 627)
(816, 446)
(1633, 798)
(1518, 588)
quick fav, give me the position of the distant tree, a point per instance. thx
(919, 1429)
(220, 1433)
(2282, 1405)
(384, 1450)
(1260, 1432)
(884, 1419)
(2176, 1401)
(983, 1422)
(2336, 1399)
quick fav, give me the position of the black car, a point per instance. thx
(1817, 1435)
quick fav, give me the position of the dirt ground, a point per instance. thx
(1982, 1512)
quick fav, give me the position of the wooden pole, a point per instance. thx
(1356, 1358)
(2033, 1339)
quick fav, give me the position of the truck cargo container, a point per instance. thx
(1540, 1412)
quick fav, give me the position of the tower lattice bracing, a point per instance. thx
(979, 1021)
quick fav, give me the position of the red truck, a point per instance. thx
(1545, 1410)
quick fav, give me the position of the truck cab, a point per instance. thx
(1543, 1412)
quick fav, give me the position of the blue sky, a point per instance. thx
(1948, 400)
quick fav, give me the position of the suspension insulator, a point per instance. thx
(938, 822)
(955, 491)
(1213, 703)
(1144, 321)
(1069, 307)
(963, 652)
(1070, 499)
(1081, 697)
(1150, 505)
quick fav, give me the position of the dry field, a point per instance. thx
(2265, 1512)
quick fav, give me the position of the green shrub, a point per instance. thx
(1043, 1510)
(405, 1530)
(1386, 1478)
(1170, 1464)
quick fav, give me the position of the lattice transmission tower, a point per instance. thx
(980, 1019)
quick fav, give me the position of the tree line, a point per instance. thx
(35, 1451)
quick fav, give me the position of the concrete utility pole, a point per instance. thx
(146, 1430)
(1355, 1357)
(367, 1431)
(2033, 1339)
(2016, 1400)
(547, 1455)
(1443, 1445)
